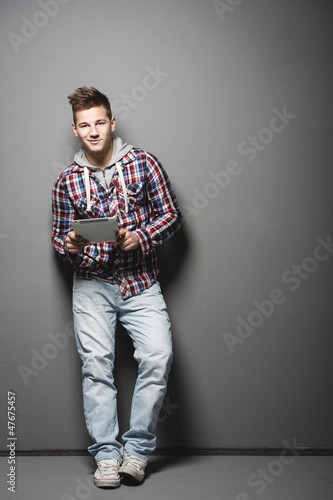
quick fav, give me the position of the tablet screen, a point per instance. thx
(98, 230)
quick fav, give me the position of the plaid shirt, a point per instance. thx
(153, 215)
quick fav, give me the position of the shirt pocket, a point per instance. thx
(135, 195)
(97, 209)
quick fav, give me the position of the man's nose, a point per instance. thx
(94, 131)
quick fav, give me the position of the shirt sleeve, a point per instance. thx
(63, 215)
(165, 208)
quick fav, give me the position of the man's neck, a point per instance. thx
(101, 160)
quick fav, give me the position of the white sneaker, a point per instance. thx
(133, 467)
(107, 473)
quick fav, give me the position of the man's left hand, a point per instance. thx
(127, 240)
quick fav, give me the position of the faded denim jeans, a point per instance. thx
(97, 305)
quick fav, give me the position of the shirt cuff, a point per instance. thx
(144, 240)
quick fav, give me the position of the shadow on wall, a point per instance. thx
(65, 271)
(171, 256)
(173, 428)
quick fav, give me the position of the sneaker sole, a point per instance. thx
(104, 483)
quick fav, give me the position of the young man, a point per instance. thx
(116, 281)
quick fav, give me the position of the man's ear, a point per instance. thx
(113, 124)
(74, 130)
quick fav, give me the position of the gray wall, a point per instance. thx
(235, 98)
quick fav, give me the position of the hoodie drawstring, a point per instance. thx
(123, 185)
(122, 182)
(87, 186)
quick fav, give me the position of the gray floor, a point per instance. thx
(173, 478)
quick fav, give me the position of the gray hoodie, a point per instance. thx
(120, 149)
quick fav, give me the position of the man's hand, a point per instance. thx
(75, 242)
(127, 240)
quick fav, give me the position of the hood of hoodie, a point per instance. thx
(120, 149)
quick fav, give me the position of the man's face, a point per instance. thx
(94, 129)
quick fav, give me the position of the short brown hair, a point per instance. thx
(89, 97)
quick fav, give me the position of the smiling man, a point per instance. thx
(94, 128)
(116, 281)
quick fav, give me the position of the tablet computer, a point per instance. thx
(102, 229)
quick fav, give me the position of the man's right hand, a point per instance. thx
(75, 242)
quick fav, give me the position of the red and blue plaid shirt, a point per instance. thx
(153, 215)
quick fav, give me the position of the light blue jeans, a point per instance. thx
(97, 305)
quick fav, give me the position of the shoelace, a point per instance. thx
(107, 467)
